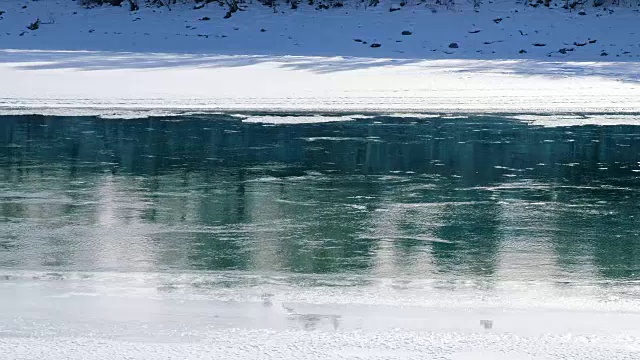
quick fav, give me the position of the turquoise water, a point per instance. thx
(470, 198)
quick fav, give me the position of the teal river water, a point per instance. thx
(437, 198)
(213, 237)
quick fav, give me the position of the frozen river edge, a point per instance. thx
(135, 316)
(142, 84)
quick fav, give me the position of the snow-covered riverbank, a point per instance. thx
(310, 60)
(107, 83)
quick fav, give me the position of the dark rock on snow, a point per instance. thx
(34, 25)
(565, 50)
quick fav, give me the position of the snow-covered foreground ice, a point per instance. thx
(108, 83)
(195, 316)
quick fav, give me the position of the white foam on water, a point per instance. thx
(579, 120)
(302, 119)
(109, 113)
(413, 115)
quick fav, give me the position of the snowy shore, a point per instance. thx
(104, 83)
(109, 59)
(142, 316)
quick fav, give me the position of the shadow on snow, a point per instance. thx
(97, 60)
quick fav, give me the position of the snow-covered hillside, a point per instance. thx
(504, 30)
